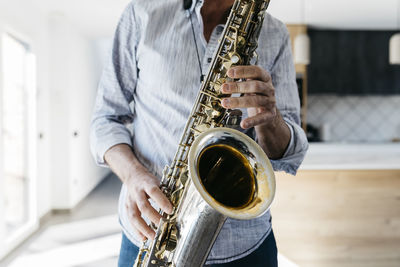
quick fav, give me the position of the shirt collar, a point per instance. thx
(195, 3)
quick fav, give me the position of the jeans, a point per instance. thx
(264, 256)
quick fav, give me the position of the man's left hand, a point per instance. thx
(258, 94)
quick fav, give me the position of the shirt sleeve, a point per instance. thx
(112, 112)
(284, 80)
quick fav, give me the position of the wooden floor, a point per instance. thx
(339, 218)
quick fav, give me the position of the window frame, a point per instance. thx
(9, 243)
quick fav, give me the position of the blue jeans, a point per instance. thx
(265, 256)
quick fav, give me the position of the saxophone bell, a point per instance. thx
(232, 173)
(230, 177)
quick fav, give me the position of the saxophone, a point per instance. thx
(217, 171)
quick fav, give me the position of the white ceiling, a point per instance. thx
(98, 18)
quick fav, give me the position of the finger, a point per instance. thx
(258, 119)
(249, 101)
(139, 224)
(159, 198)
(248, 87)
(139, 234)
(249, 72)
(146, 209)
(134, 212)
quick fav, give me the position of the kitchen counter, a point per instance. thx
(350, 156)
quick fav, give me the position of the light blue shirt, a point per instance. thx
(148, 89)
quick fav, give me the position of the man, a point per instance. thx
(150, 85)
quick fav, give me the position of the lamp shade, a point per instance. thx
(302, 49)
(394, 49)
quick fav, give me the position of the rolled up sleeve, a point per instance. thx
(112, 112)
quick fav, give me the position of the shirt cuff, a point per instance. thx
(290, 147)
(107, 142)
(295, 151)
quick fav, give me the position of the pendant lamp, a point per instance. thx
(302, 49)
(394, 43)
(302, 43)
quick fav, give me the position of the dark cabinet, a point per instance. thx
(351, 63)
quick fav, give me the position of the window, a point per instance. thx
(17, 142)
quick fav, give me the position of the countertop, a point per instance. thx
(350, 156)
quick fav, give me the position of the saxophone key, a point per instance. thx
(233, 118)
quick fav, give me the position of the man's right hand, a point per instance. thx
(141, 185)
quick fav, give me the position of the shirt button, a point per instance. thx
(209, 60)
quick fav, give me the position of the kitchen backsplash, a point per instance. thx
(355, 118)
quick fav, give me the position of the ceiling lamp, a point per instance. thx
(394, 49)
(302, 43)
(302, 49)
(394, 43)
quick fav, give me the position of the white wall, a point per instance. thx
(339, 14)
(84, 175)
(67, 84)
(73, 87)
(59, 83)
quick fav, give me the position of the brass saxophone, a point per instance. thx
(217, 172)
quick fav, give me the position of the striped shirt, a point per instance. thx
(149, 86)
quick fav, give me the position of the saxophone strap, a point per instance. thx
(197, 49)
